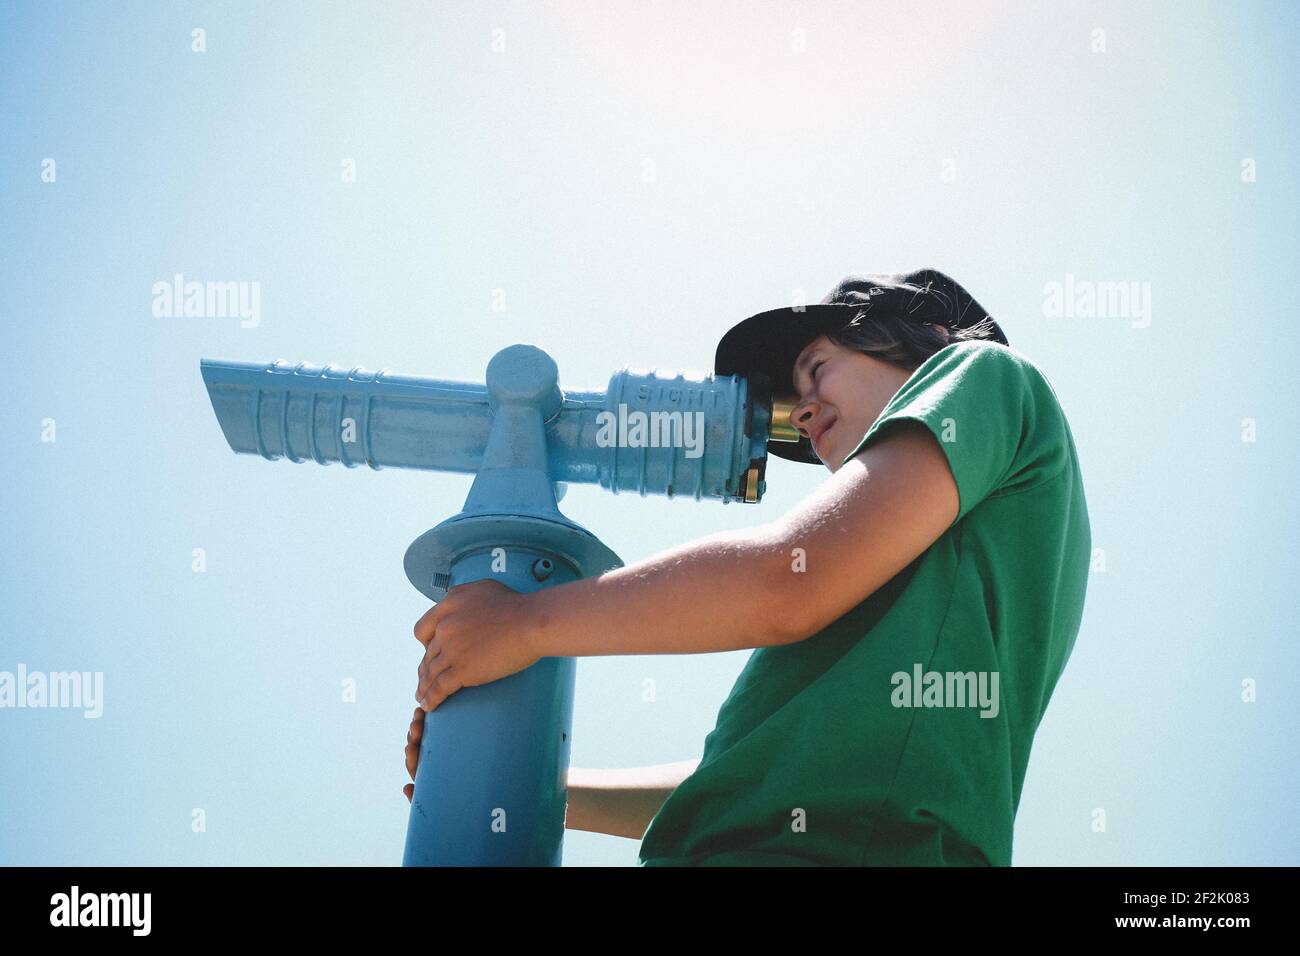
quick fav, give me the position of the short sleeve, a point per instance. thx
(994, 415)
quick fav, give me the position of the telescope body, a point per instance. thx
(698, 436)
(490, 787)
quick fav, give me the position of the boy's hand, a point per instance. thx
(413, 750)
(478, 633)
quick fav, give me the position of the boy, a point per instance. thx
(910, 618)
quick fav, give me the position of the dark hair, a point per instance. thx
(904, 342)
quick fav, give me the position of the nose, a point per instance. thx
(802, 416)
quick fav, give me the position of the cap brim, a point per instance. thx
(768, 343)
(763, 349)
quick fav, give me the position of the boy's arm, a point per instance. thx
(723, 592)
(740, 589)
(761, 587)
(621, 802)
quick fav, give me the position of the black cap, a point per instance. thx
(763, 348)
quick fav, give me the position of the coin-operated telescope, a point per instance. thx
(490, 785)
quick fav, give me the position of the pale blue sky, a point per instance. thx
(636, 178)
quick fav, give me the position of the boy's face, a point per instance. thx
(841, 394)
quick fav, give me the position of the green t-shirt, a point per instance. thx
(854, 746)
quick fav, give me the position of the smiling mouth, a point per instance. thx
(818, 439)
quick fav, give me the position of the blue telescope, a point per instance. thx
(489, 790)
